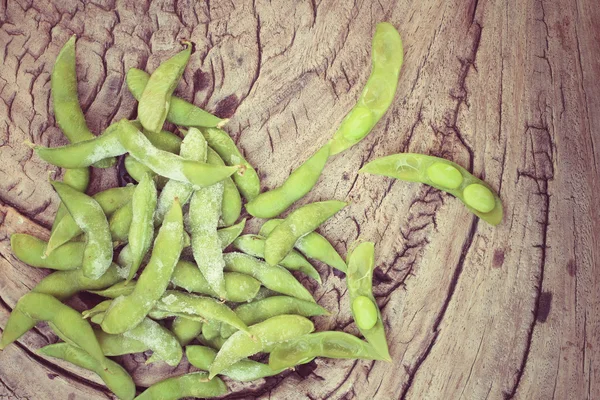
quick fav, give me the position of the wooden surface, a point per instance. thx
(508, 89)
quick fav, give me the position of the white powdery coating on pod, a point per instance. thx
(106, 146)
(156, 338)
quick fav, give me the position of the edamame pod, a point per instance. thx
(30, 250)
(78, 179)
(117, 345)
(359, 279)
(159, 339)
(120, 222)
(180, 112)
(261, 310)
(88, 215)
(387, 55)
(127, 312)
(116, 378)
(118, 289)
(155, 101)
(212, 329)
(273, 277)
(65, 100)
(229, 234)
(254, 245)
(444, 175)
(231, 208)
(272, 203)
(312, 245)
(244, 370)
(141, 231)
(298, 223)
(265, 335)
(185, 330)
(195, 384)
(329, 344)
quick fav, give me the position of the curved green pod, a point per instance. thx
(30, 250)
(195, 384)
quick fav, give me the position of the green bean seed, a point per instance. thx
(186, 330)
(231, 208)
(115, 377)
(298, 223)
(273, 277)
(272, 203)
(128, 311)
(30, 250)
(244, 370)
(254, 245)
(329, 344)
(248, 183)
(359, 279)
(265, 335)
(444, 175)
(120, 222)
(311, 245)
(261, 310)
(141, 231)
(229, 234)
(239, 287)
(195, 384)
(88, 215)
(109, 200)
(387, 55)
(155, 101)
(180, 112)
(67, 111)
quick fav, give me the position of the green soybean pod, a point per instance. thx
(229, 234)
(137, 170)
(329, 344)
(164, 140)
(387, 56)
(247, 182)
(180, 112)
(444, 175)
(298, 223)
(244, 370)
(155, 101)
(120, 222)
(231, 208)
(87, 213)
(127, 312)
(215, 343)
(254, 245)
(272, 203)
(141, 230)
(211, 329)
(78, 179)
(30, 250)
(265, 335)
(185, 329)
(109, 200)
(359, 278)
(117, 345)
(195, 384)
(118, 289)
(67, 111)
(312, 245)
(261, 310)
(116, 378)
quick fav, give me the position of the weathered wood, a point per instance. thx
(508, 89)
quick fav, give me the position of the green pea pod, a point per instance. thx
(30, 250)
(115, 377)
(272, 203)
(89, 216)
(273, 277)
(109, 200)
(254, 245)
(120, 222)
(180, 112)
(387, 55)
(67, 111)
(244, 370)
(265, 335)
(205, 307)
(329, 344)
(195, 384)
(231, 208)
(141, 231)
(61, 285)
(185, 330)
(444, 175)
(298, 223)
(312, 245)
(170, 165)
(229, 234)
(127, 312)
(248, 182)
(261, 310)
(155, 101)
(359, 279)
(78, 179)
(239, 287)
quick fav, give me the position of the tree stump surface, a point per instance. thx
(508, 89)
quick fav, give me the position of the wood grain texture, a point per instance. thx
(508, 89)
